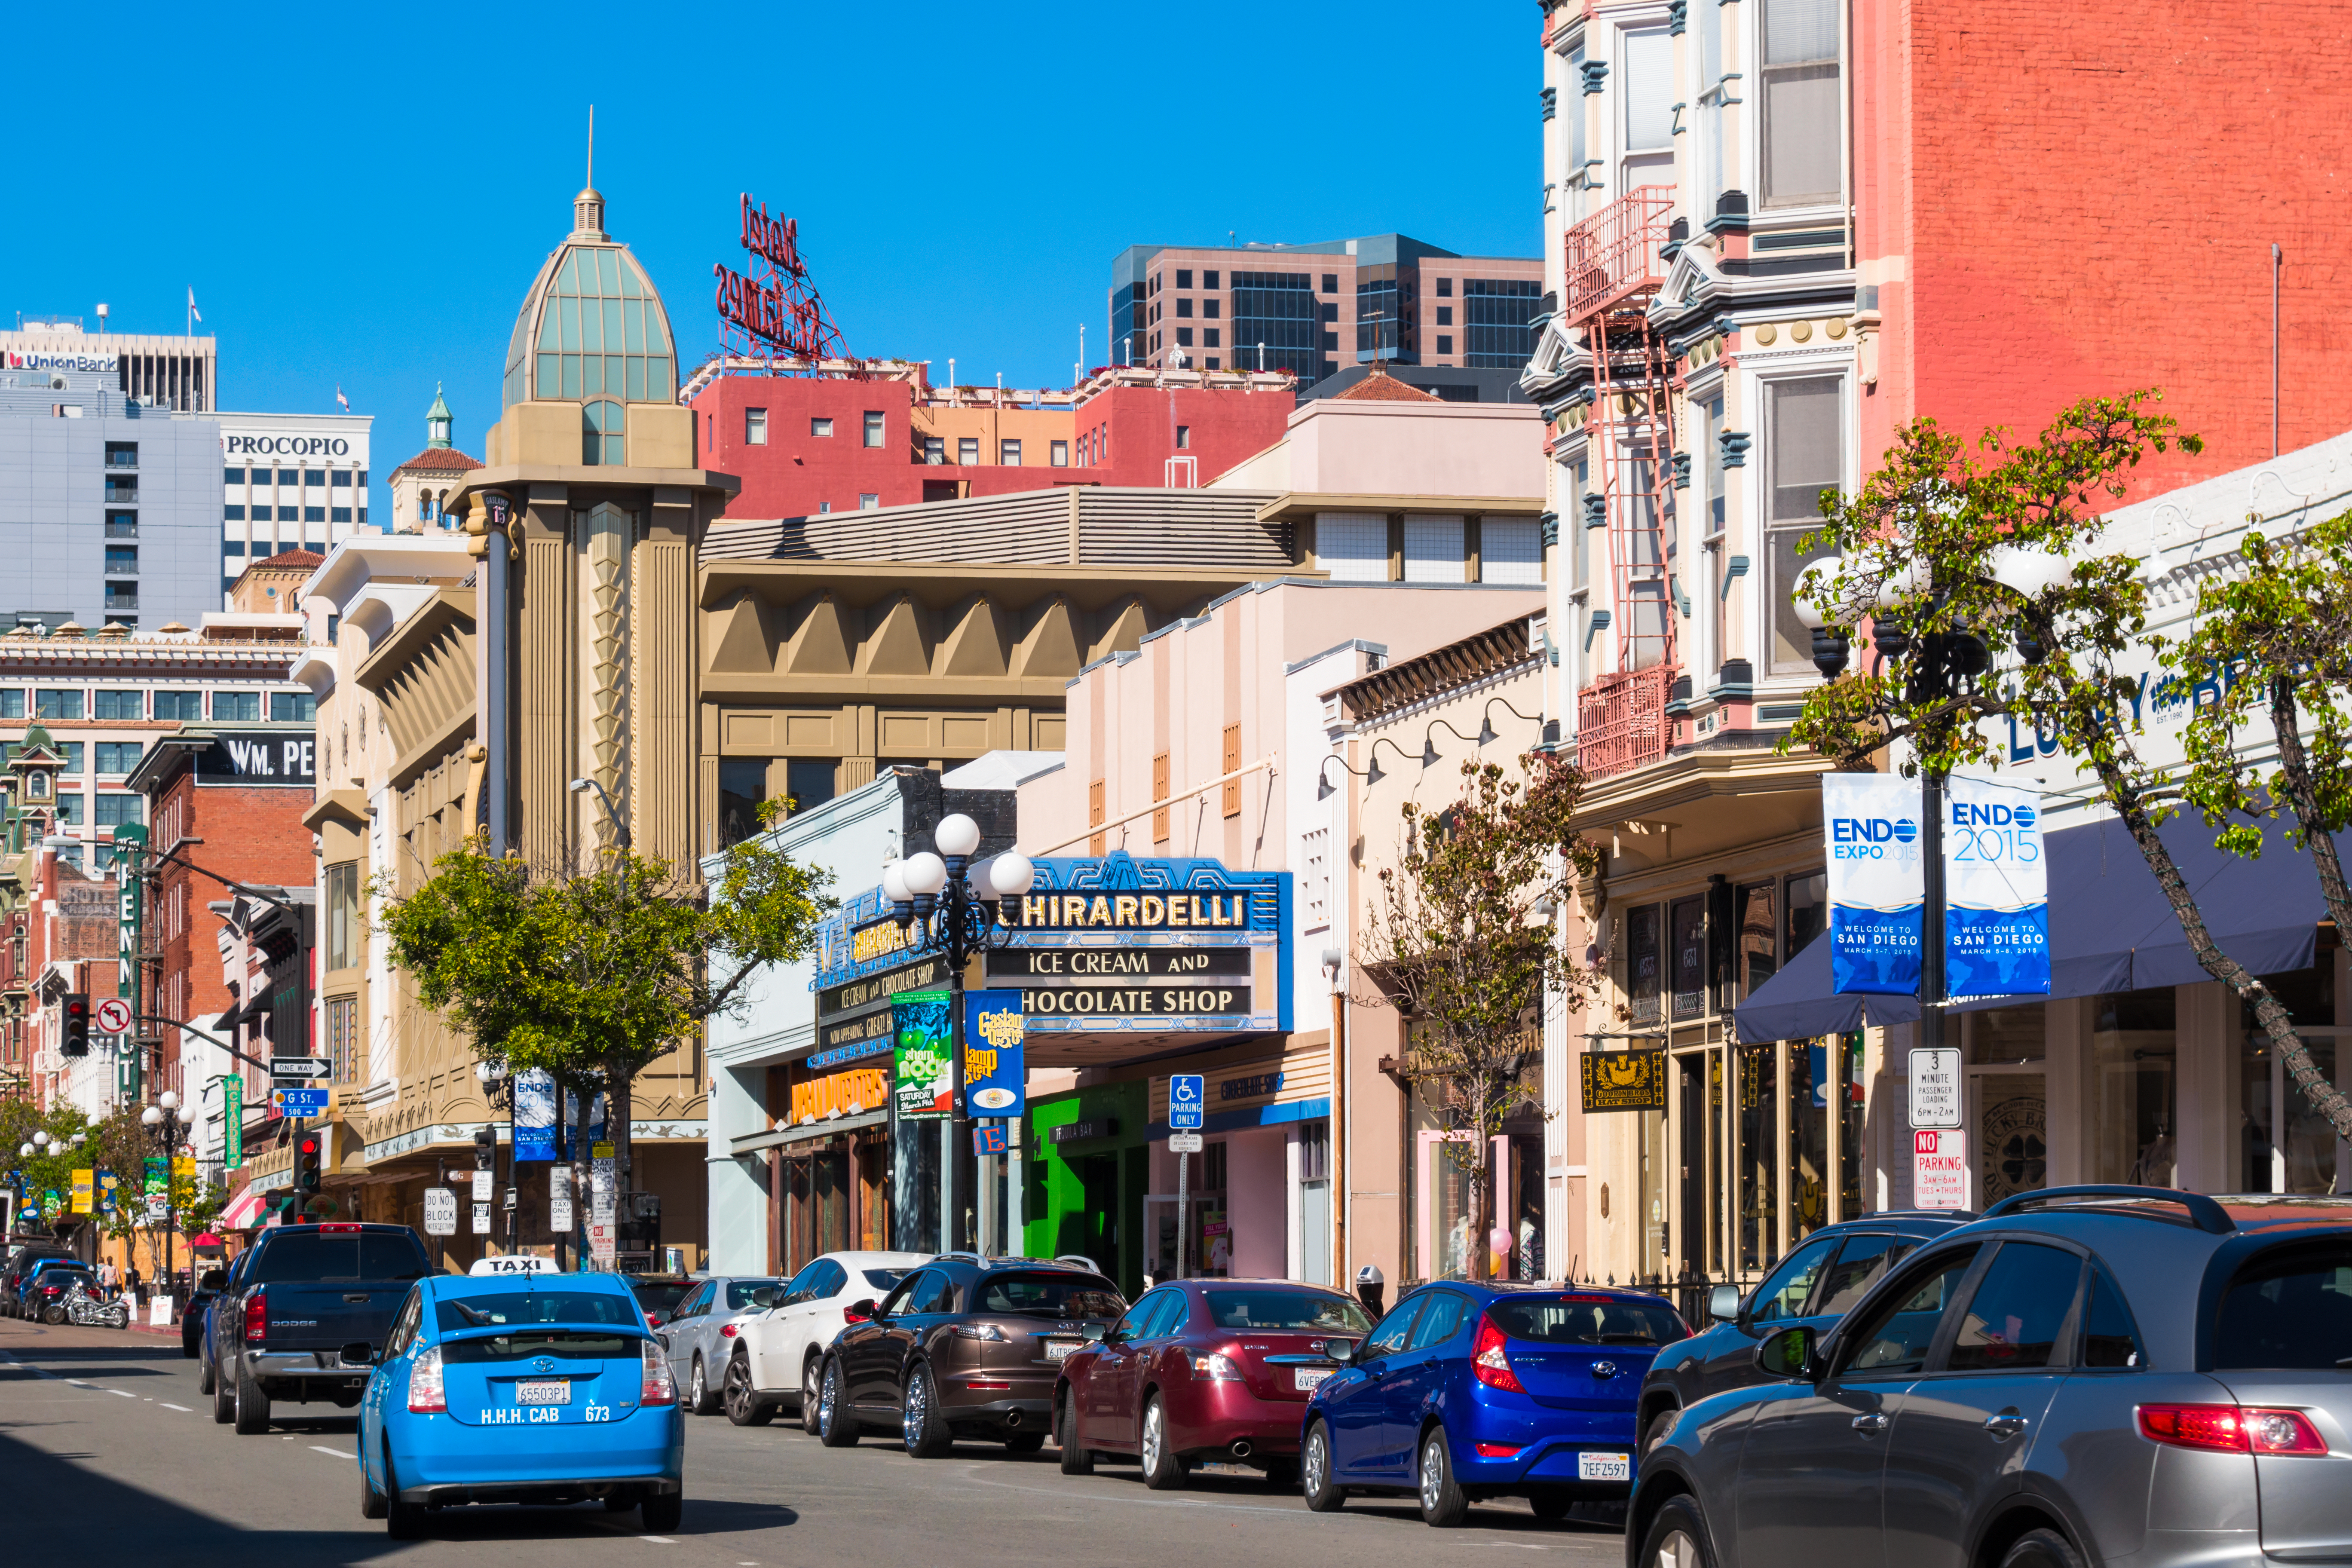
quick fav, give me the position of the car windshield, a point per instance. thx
(63, 1276)
(563, 1344)
(1578, 1319)
(1309, 1310)
(338, 1257)
(2293, 1312)
(884, 1278)
(494, 1310)
(1052, 1296)
(739, 1292)
(661, 1295)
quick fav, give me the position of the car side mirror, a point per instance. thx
(764, 1296)
(1790, 1353)
(1341, 1350)
(1114, 1336)
(864, 1312)
(1723, 1304)
(214, 1280)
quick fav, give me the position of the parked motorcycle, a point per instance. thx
(81, 1308)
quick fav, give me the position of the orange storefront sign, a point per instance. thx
(841, 1094)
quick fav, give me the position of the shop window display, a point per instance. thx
(2130, 1122)
(2009, 1101)
(2285, 1144)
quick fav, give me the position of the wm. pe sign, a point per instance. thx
(996, 1074)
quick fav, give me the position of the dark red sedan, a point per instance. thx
(1203, 1369)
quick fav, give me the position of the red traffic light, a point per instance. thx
(310, 1145)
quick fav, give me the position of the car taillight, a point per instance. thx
(257, 1316)
(726, 1331)
(977, 1332)
(852, 1315)
(656, 1388)
(1216, 1367)
(345, 1228)
(424, 1391)
(2230, 1429)
(987, 1385)
(1495, 1450)
(1488, 1361)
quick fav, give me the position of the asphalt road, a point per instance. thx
(107, 1447)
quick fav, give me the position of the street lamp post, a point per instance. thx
(163, 1122)
(952, 902)
(498, 1086)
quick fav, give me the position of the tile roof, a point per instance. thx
(442, 457)
(1381, 387)
(292, 560)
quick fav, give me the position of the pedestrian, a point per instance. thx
(131, 1280)
(106, 1279)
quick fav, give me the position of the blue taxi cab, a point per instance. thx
(531, 1388)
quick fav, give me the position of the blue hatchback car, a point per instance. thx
(1489, 1389)
(521, 1388)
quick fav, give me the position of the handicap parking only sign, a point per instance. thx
(1184, 1091)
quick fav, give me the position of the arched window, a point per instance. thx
(424, 506)
(600, 434)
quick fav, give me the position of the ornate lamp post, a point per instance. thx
(498, 1089)
(162, 1121)
(949, 900)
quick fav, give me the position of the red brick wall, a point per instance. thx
(2083, 197)
(1225, 427)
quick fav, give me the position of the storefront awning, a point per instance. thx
(2111, 927)
(752, 1143)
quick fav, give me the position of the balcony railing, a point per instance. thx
(1613, 254)
(1622, 721)
(120, 494)
(122, 459)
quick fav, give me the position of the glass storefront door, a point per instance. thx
(2286, 1145)
(2128, 1101)
(2009, 1107)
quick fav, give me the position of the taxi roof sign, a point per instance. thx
(518, 1263)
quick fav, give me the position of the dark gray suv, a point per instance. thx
(1821, 1276)
(2087, 1374)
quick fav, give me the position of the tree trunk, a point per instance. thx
(2303, 796)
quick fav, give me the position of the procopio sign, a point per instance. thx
(285, 447)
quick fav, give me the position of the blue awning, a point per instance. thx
(2111, 927)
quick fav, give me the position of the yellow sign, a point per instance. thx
(184, 1168)
(85, 1188)
(601, 1151)
(1624, 1080)
(840, 1093)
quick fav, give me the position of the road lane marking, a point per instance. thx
(338, 1453)
(123, 1393)
(180, 1408)
(665, 1540)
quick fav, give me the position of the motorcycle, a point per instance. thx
(81, 1308)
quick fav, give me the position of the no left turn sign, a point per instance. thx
(113, 1016)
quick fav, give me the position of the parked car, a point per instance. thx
(701, 1332)
(1473, 1390)
(1204, 1369)
(1821, 1276)
(23, 1260)
(209, 1283)
(659, 1294)
(2087, 1374)
(528, 1388)
(963, 1347)
(45, 1292)
(207, 1371)
(776, 1352)
(307, 1316)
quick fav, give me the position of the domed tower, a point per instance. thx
(587, 514)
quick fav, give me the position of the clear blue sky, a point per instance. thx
(362, 195)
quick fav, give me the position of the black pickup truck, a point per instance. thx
(305, 1317)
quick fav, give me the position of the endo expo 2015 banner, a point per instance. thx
(1996, 925)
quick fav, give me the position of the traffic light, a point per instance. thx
(486, 1149)
(77, 1016)
(307, 1165)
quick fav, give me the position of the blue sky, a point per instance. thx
(359, 195)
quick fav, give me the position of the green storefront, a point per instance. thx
(1087, 1164)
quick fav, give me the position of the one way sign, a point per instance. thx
(300, 1067)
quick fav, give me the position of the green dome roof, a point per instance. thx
(592, 325)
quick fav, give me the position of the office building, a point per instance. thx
(290, 482)
(1312, 308)
(178, 374)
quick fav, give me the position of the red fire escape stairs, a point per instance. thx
(1614, 271)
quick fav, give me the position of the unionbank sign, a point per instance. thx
(1996, 923)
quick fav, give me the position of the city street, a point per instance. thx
(106, 1446)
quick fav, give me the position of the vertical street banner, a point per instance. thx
(534, 1115)
(923, 1055)
(995, 1075)
(233, 1122)
(1877, 882)
(85, 1191)
(1996, 890)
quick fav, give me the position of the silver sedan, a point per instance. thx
(701, 1332)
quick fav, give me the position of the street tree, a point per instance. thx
(2005, 540)
(1461, 939)
(592, 974)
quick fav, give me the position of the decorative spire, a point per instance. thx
(588, 206)
(437, 422)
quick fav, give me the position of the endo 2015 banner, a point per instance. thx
(1877, 891)
(1996, 890)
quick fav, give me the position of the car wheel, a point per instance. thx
(252, 1406)
(1075, 1461)
(810, 1396)
(402, 1520)
(698, 1390)
(835, 1427)
(204, 1378)
(744, 1405)
(223, 1398)
(1315, 1471)
(924, 1426)
(1550, 1504)
(371, 1504)
(1162, 1468)
(1442, 1502)
(1656, 1433)
(2042, 1548)
(1678, 1537)
(1025, 1442)
(662, 1512)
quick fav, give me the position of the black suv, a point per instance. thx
(1825, 1274)
(962, 1347)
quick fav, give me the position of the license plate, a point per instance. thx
(544, 1391)
(1304, 1381)
(1605, 1467)
(1058, 1349)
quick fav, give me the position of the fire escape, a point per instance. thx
(1614, 271)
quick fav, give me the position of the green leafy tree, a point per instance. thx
(1460, 938)
(592, 976)
(2005, 540)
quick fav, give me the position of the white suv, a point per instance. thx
(776, 1354)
